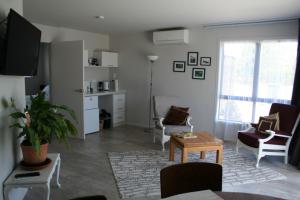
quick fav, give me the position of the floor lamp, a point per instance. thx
(151, 58)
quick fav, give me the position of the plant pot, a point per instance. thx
(31, 157)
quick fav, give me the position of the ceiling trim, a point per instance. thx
(245, 23)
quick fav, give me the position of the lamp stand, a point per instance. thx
(151, 58)
(149, 129)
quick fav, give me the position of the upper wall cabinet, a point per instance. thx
(108, 59)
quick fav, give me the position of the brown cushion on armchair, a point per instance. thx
(265, 123)
(282, 133)
(251, 139)
(271, 116)
(185, 109)
(276, 117)
(176, 116)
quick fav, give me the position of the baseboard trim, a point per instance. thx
(138, 125)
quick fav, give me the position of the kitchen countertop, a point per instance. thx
(104, 93)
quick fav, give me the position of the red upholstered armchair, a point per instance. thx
(275, 143)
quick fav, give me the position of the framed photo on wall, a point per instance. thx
(192, 58)
(198, 73)
(205, 61)
(179, 66)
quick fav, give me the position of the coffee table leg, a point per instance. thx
(184, 155)
(171, 153)
(202, 155)
(219, 158)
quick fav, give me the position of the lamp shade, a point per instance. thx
(152, 58)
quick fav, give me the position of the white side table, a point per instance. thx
(36, 181)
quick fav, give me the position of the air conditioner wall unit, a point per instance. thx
(171, 37)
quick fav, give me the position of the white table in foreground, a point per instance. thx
(199, 195)
(210, 195)
(37, 181)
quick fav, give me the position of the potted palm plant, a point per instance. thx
(39, 124)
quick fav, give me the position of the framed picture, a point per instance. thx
(192, 58)
(199, 73)
(205, 61)
(179, 66)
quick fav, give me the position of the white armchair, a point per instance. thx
(161, 106)
(276, 143)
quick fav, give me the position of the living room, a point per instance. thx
(259, 35)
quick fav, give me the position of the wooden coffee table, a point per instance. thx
(203, 143)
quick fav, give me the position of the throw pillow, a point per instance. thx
(265, 124)
(185, 109)
(274, 116)
(176, 116)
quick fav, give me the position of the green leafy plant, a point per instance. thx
(42, 121)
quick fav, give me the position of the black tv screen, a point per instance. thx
(21, 47)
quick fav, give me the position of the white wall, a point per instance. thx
(10, 87)
(198, 94)
(92, 41)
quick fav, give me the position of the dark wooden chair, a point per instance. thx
(96, 197)
(190, 177)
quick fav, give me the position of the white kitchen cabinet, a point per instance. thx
(118, 109)
(118, 118)
(108, 59)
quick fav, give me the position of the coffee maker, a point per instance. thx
(100, 86)
(106, 85)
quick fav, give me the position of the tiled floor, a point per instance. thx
(85, 168)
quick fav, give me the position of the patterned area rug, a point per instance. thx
(137, 173)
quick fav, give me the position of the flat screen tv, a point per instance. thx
(20, 50)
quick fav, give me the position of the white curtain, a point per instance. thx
(253, 75)
(228, 130)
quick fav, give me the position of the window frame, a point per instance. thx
(254, 98)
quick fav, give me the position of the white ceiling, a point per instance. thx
(144, 15)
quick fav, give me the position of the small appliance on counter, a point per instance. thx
(95, 61)
(100, 86)
(115, 85)
(93, 86)
(106, 85)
